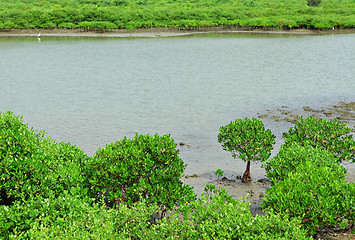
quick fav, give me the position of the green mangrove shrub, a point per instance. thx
(64, 166)
(18, 145)
(315, 194)
(247, 139)
(328, 134)
(210, 217)
(145, 167)
(88, 220)
(291, 156)
(69, 216)
(218, 216)
(32, 164)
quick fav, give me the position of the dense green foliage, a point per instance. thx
(179, 14)
(247, 139)
(145, 167)
(307, 179)
(330, 135)
(32, 164)
(218, 216)
(69, 211)
(292, 156)
(316, 194)
(210, 217)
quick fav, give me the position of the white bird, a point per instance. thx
(39, 35)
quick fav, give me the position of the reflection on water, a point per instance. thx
(91, 91)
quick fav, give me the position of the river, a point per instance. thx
(93, 91)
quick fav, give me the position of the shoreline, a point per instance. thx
(254, 191)
(161, 32)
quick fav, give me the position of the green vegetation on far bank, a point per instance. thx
(177, 14)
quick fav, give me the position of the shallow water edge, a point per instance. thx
(160, 32)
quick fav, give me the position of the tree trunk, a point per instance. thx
(246, 176)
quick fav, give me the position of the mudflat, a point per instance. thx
(158, 32)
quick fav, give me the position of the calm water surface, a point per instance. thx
(92, 92)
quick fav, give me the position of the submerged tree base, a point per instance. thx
(246, 176)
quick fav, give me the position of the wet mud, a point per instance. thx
(344, 112)
(159, 32)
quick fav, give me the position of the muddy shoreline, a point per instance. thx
(158, 32)
(344, 112)
(254, 191)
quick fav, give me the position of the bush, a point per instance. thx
(315, 194)
(247, 139)
(18, 144)
(291, 156)
(63, 166)
(88, 220)
(330, 135)
(221, 217)
(70, 216)
(211, 217)
(145, 167)
(32, 164)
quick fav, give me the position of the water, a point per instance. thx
(92, 92)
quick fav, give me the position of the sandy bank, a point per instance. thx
(156, 32)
